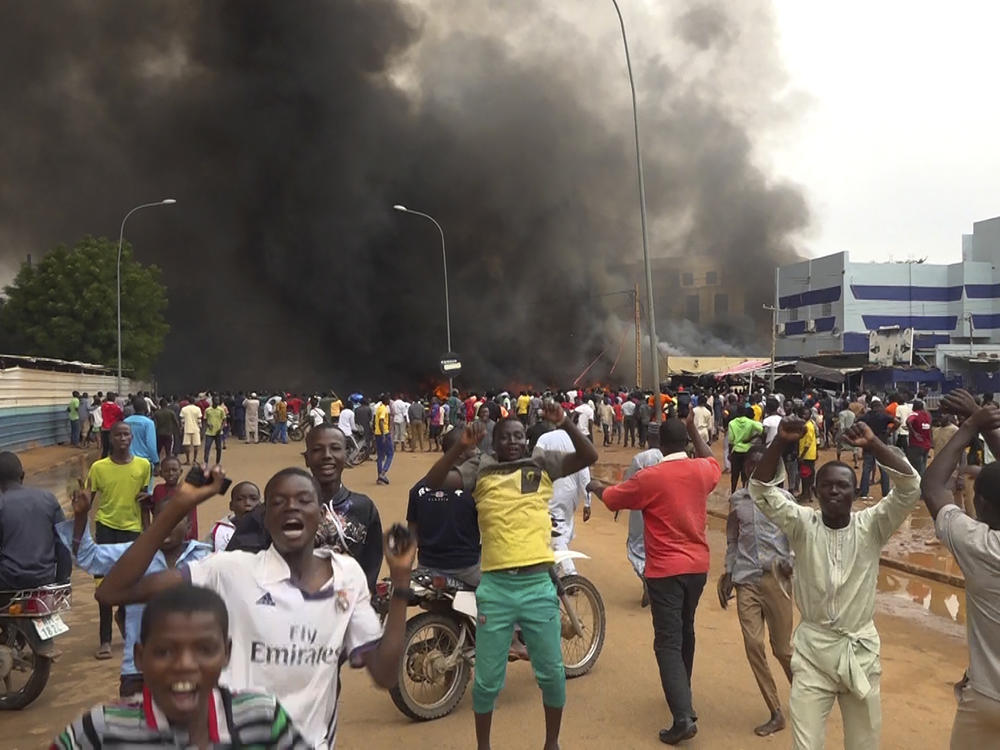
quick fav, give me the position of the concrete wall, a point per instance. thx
(33, 404)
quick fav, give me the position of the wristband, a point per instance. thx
(403, 594)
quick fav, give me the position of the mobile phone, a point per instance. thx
(399, 538)
(197, 477)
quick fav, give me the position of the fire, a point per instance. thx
(437, 388)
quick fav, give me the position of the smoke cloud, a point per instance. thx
(286, 131)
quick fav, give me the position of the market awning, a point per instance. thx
(829, 374)
(745, 368)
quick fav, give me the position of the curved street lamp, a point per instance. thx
(121, 239)
(444, 260)
(654, 354)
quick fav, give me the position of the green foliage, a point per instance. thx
(64, 307)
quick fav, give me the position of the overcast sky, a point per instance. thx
(896, 141)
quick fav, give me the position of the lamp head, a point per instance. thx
(168, 201)
(400, 207)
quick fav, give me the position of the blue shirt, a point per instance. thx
(144, 441)
(98, 559)
(447, 527)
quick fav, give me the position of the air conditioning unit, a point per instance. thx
(781, 329)
(810, 326)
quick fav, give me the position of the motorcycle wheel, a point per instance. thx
(14, 643)
(580, 654)
(296, 434)
(430, 637)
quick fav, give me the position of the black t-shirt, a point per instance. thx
(878, 422)
(447, 527)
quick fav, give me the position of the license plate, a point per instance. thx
(50, 627)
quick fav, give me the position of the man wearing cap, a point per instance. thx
(252, 406)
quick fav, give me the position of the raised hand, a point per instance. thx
(473, 434)
(193, 495)
(860, 435)
(791, 429)
(400, 560)
(81, 500)
(959, 402)
(985, 418)
(554, 413)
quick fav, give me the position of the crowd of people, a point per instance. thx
(288, 574)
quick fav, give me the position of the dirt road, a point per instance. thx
(619, 704)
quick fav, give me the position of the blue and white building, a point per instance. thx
(829, 305)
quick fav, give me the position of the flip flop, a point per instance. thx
(104, 652)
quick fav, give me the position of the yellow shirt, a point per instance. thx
(512, 502)
(807, 443)
(335, 407)
(118, 485)
(523, 402)
(758, 413)
(382, 419)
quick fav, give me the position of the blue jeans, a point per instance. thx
(384, 451)
(868, 474)
(74, 431)
(279, 432)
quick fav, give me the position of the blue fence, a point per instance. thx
(24, 427)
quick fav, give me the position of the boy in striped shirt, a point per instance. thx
(183, 647)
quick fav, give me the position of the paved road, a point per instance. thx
(619, 704)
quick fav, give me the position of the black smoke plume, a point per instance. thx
(287, 130)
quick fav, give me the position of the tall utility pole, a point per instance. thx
(774, 334)
(654, 354)
(638, 339)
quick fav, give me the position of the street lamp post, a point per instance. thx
(444, 261)
(654, 354)
(121, 239)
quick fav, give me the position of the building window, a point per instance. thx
(692, 308)
(674, 279)
(793, 314)
(711, 278)
(721, 305)
(827, 309)
(687, 279)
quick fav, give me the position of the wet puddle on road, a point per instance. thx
(60, 480)
(900, 593)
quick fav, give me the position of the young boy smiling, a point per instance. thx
(183, 647)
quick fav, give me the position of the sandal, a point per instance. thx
(104, 652)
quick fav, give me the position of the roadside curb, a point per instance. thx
(890, 562)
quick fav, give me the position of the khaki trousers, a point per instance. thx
(417, 432)
(758, 603)
(977, 720)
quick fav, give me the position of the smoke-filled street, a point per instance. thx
(463, 373)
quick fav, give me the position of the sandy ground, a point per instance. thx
(620, 703)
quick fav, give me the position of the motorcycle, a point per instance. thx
(359, 449)
(440, 644)
(295, 431)
(29, 624)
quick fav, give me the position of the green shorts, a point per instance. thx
(529, 600)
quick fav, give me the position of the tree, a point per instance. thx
(64, 307)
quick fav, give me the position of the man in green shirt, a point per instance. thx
(118, 485)
(215, 418)
(74, 419)
(742, 430)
